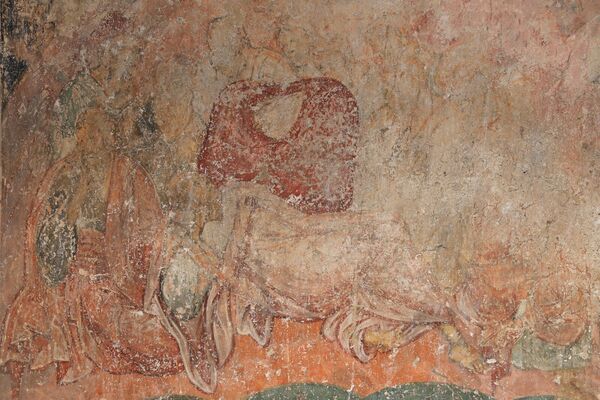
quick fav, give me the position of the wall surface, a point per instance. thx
(300, 199)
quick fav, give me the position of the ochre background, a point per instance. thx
(299, 354)
(479, 124)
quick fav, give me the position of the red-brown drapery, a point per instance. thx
(107, 312)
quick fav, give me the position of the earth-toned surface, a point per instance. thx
(218, 198)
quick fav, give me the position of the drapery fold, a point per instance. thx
(107, 311)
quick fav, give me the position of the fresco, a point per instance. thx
(335, 199)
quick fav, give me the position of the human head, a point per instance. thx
(94, 130)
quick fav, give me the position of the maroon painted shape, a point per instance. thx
(312, 167)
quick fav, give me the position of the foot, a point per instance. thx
(382, 341)
(466, 357)
(460, 352)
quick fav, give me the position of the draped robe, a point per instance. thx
(357, 271)
(105, 311)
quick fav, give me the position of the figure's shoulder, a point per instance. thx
(123, 160)
(130, 170)
(53, 173)
(129, 164)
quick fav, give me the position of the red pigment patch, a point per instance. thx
(311, 165)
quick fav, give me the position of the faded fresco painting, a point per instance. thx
(332, 199)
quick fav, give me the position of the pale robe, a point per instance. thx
(357, 271)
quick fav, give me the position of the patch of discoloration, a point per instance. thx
(474, 123)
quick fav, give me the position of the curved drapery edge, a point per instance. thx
(218, 322)
(207, 384)
(253, 320)
(348, 326)
(33, 333)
